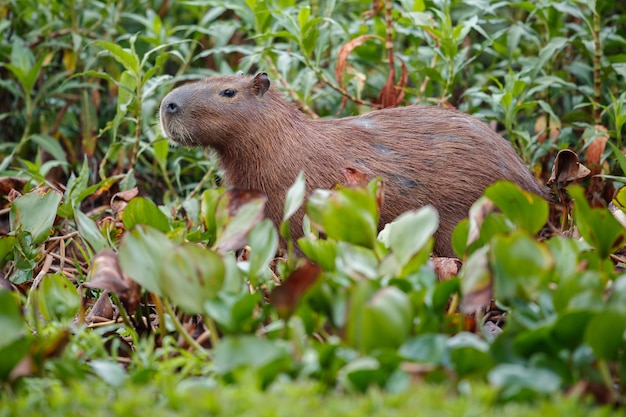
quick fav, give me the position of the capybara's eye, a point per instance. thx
(228, 92)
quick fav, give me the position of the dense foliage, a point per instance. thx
(94, 198)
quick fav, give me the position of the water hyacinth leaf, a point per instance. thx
(89, 231)
(247, 351)
(605, 334)
(517, 382)
(469, 354)
(35, 212)
(141, 256)
(58, 298)
(233, 312)
(408, 234)
(236, 213)
(347, 214)
(597, 226)
(362, 373)
(568, 329)
(191, 275)
(11, 320)
(322, 252)
(519, 264)
(528, 210)
(143, 211)
(263, 241)
(426, 348)
(295, 196)
(208, 204)
(378, 318)
(476, 282)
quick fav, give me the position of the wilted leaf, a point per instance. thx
(106, 274)
(286, 296)
(567, 168)
(120, 200)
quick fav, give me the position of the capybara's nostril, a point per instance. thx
(172, 107)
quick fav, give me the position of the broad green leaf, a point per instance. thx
(35, 213)
(295, 196)
(233, 312)
(568, 329)
(58, 298)
(208, 204)
(322, 252)
(124, 56)
(191, 275)
(142, 254)
(6, 247)
(110, 372)
(143, 211)
(247, 351)
(520, 265)
(469, 354)
(408, 234)
(426, 348)
(12, 324)
(263, 242)
(361, 374)
(605, 334)
(517, 382)
(347, 214)
(378, 318)
(89, 231)
(529, 211)
(596, 225)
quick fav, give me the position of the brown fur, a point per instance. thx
(426, 155)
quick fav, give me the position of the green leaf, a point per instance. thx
(12, 324)
(410, 232)
(348, 215)
(605, 334)
(35, 212)
(469, 354)
(190, 276)
(529, 211)
(110, 372)
(6, 247)
(597, 226)
(208, 204)
(263, 241)
(236, 213)
(89, 231)
(141, 256)
(295, 196)
(233, 312)
(427, 348)
(517, 382)
(58, 298)
(520, 265)
(247, 351)
(143, 211)
(378, 318)
(361, 374)
(126, 57)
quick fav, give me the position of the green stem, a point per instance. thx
(181, 330)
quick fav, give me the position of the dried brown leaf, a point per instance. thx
(567, 168)
(285, 297)
(446, 268)
(353, 177)
(106, 274)
(120, 200)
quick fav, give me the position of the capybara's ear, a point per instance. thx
(260, 84)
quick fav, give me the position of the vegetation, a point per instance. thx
(120, 256)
